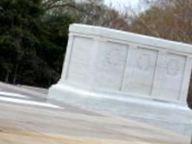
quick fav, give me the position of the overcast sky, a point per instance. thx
(121, 4)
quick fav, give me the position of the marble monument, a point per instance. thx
(127, 74)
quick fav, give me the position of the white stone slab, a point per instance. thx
(103, 64)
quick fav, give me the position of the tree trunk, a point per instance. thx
(15, 73)
(7, 77)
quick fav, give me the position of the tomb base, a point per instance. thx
(167, 115)
(128, 75)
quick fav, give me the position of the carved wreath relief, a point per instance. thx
(173, 67)
(143, 62)
(113, 57)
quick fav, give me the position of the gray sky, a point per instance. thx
(121, 4)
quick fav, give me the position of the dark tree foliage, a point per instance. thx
(32, 43)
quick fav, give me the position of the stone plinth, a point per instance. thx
(127, 74)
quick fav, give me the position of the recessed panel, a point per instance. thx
(81, 55)
(169, 77)
(140, 70)
(110, 65)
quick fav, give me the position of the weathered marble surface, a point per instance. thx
(23, 124)
(127, 74)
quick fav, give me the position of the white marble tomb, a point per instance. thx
(127, 74)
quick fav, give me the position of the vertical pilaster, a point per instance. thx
(186, 81)
(67, 58)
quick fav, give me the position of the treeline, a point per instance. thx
(34, 33)
(32, 42)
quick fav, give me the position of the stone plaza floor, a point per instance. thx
(26, 118)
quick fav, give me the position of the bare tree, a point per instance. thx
(168, 19)
(92, 12)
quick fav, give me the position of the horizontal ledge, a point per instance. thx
(79, 92)
(130, 37)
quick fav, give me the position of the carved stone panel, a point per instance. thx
(169, 77)
(81, 55)
(127, 64)
(109, 66)
(140, 71)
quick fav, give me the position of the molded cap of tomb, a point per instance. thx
(111, 34)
